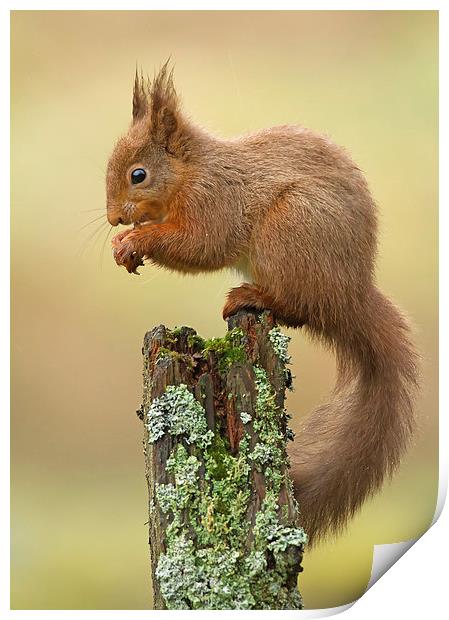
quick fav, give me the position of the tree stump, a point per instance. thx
(224, 531)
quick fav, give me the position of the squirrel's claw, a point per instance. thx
(125, 254)
(131, 270)
(133, 262)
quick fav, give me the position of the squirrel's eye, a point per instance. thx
(138, 175)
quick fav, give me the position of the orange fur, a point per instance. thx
(295, 208)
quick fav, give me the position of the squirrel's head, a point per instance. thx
(148, 163)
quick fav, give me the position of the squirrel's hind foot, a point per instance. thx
(246, 297)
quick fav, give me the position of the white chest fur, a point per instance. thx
(242, 267)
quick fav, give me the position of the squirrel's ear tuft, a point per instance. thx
(140, 98)
(164, 105)
(165, 124)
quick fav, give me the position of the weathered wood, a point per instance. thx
(229, 538)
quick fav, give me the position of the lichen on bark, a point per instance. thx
(223, 521)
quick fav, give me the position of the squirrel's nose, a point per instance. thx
(114, 216)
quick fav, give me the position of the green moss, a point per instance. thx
(175, 333)
(229, 349)
(195, 342)
(216, 456)
(164, 353)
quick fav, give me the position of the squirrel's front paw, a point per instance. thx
(125, 252)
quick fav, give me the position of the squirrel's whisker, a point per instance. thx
(91, 222)
(104, 244)
(95, 233)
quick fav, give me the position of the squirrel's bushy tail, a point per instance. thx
(350, 445)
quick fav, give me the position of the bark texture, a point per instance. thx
(224, 530)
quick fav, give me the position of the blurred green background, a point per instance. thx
(369, 79)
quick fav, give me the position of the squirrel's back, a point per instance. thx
(296, 148)
(295, 160)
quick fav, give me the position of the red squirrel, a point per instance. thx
(292, 211)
